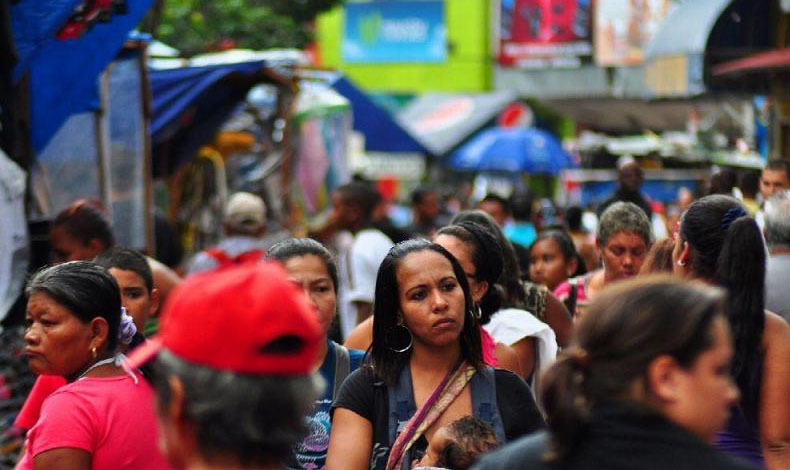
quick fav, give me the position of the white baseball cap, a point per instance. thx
(245, 211)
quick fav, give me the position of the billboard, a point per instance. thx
(544, 33)
(394, 31)
(624, 28)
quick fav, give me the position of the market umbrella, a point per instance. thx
(512, 150)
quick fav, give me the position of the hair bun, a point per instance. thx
(731, 215)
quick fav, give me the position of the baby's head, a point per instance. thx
(458, 445)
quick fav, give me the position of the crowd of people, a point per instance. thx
(493, 337)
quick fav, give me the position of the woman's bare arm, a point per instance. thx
(775, 394)
(361, 336)
(63, 458)
(507, 359)
(558, 319)
(350, 441)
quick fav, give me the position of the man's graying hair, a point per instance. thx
(624, 217)
(255, 419)
(777, 220)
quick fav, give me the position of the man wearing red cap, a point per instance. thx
(232, 369)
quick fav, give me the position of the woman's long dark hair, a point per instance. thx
(386, 363)
(626, 327)
(728, 248)
(510, 279)
(487, 258)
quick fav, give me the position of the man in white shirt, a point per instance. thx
(352, 208)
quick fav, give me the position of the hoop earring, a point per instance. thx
(93, 351)
(476, 311)
(396, 336)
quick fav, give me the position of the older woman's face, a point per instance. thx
(623, 255)
(58, 343)
(431, 299)
(310, 274)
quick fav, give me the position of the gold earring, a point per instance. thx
(93, 351)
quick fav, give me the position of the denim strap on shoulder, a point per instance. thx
(484, 402)
(401, 404)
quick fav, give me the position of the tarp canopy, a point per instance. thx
(382, 131)
(63, 73)
(441, 121)
(635, 115)
(191, 103)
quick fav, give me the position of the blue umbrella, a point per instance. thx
(512, 150)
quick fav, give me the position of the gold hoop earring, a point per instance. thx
(93, 351)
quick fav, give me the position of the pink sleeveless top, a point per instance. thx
(489, 348)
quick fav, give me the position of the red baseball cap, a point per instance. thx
(249, 320)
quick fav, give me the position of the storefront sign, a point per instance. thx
(623, 28)
(394, 31)
(544, 33)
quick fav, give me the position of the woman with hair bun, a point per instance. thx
(481, 255)
(103, 418)
(521, 294)
(719, 243)
(645, 384)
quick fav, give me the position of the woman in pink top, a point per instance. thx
(103, 418)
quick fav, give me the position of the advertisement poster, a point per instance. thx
(544, 33)
(394, 31)
(623, 28)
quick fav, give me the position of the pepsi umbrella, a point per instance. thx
(512, 150)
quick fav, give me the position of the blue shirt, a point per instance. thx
(523, 233)
(311, 452)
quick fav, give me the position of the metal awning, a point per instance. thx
(675, 57)
(631, 115)
(776, 59)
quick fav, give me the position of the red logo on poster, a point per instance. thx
(535, 29)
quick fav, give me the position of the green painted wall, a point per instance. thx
(469, 65)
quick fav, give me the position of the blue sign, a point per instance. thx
(394, 31)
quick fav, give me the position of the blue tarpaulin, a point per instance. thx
(178, 91)
(63, 73)
(190, 104)
(382, 132)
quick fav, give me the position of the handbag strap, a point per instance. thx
(342, 367)
(439, 400)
